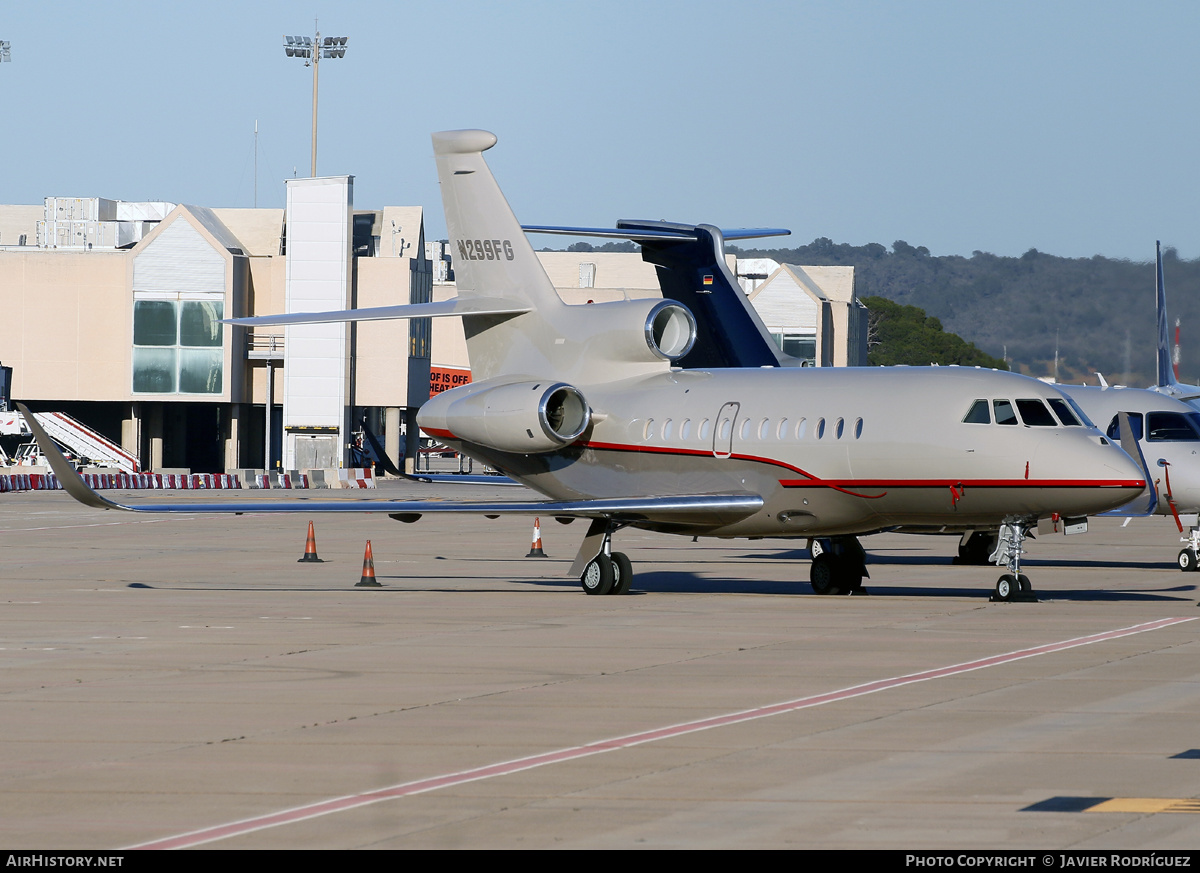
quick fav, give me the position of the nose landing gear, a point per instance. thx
(1013, 586)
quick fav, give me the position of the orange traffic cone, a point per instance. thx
(310, 548)
(535, 550)
(368, 573)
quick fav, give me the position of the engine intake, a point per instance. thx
(670, 330)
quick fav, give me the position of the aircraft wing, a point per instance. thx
(680, 509)
(455, 306)
(1147, 503)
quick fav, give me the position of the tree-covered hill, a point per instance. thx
(900, 334)
(1098, 310)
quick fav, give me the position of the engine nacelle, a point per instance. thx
(642, 330)
(525, 417)
(670, 330)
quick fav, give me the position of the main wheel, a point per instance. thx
(1006, 586)
(823, 575)
(1187, 560)
(622, 573)
(597, 576)
(1023, 584)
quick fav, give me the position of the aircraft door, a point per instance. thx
(723, 431)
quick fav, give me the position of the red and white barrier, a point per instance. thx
(356, 477)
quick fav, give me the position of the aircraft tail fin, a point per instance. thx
(1166, 371)
(493, 259)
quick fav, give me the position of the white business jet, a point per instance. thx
(585, 405)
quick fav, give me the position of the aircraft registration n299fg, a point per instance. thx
(585, 405)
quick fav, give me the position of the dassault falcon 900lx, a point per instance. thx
(584, 404)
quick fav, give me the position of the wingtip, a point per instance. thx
(71, 481)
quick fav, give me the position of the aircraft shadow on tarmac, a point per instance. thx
(686, 580)
(922, 557)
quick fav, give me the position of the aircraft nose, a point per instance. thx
(1122, 476)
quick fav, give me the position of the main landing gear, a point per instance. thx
(838, 566)
(1013, 585)
(609, 572)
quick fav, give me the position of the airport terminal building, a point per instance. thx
(113, 315)
(117, 321)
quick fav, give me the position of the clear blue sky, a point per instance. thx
(1070, 127)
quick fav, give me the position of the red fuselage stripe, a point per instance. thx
(811, 481)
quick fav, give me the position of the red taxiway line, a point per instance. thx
(420, 786)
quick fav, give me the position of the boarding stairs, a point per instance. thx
(84, 443)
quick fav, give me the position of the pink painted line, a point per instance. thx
(504, 768)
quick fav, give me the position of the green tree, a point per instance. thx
(899, 334)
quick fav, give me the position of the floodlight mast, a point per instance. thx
(313, 49)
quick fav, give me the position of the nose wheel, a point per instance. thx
(1013, 586)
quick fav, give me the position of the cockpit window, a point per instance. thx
(1135, 424)
(1080, 414)
(1170, 427)
(1035, 414)
(978, 413)
(1004, 412)
(1063, 410)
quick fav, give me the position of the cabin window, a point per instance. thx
(685, 429)
(783, 427)
(764, 429)
(648, 431)
(820, 428)
(667, 428)
(839, 427)
(1004, 412)
(1035, 414)
(979, 413)
(726, 429)
(704, 430)
(801, 428)
(746, 429)
(858, 428)
(1063, 410)
(1135, 425)
(1170, 427)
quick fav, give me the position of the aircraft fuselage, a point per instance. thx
(831, 451)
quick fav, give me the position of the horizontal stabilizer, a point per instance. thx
(649, 231)
(455, 306)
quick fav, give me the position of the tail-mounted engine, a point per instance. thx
(670, 330)
(525, 417)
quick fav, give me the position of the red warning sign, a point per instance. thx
(444, 378)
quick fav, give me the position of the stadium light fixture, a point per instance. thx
(313, 49)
